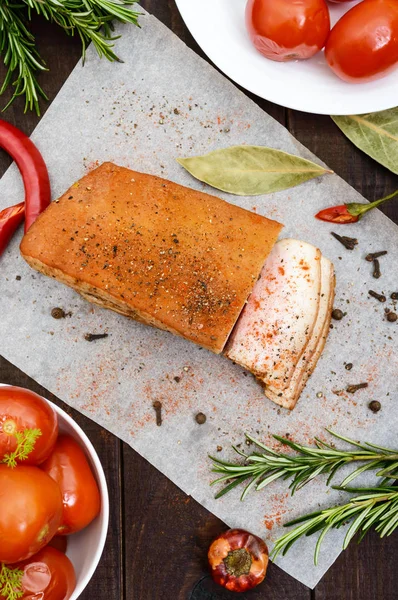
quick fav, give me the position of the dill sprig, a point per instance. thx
(375, 508)
(10, 583)
(260, 469)
(26, 441)
(91, 20)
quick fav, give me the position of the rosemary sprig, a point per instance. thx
(17, 47)
(91, 20)
(263, 468)
(375, 508)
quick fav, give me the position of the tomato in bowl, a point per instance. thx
(84, 548)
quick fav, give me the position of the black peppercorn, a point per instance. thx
(392, 317)
(58, 313)
(200, 418)
(337, 314)
(374, 406)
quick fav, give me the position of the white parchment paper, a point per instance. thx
(164, 102)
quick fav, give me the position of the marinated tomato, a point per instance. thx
(30, 512)
(48, 575)
(28, 427)
(283, 30)
(68, 466)
(363, 45)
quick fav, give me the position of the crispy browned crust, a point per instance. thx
(153, 250)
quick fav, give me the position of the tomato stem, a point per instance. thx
(238, 562)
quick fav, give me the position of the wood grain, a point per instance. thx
(158, 537)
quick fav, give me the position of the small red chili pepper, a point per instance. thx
(35, 178)
(350, 213)
(238, 560)
(10, 220)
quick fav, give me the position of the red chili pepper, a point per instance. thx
(35, 178)
(10, 220)
(350, 213)
(238, 560)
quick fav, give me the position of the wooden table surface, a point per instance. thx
(158, 537)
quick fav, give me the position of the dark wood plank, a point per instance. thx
(108, 579)
(167, 535)
(363, 572)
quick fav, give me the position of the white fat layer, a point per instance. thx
(307, 363)
(278, 320)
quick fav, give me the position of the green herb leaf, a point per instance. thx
(26, 441)
(10, 583)
(251, 170)
(376, 134)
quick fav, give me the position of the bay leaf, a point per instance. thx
(251, 170)
(376, 134)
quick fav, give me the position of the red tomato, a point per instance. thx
(48, 575)
(363, 45)
(21, 409)
(68, 466)
(30, 512)
(59, 542)
(284, 30)
(238, 560)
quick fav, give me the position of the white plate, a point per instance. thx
(218, 26)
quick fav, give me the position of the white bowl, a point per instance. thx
(85, 548)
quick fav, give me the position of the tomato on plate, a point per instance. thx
(30, 512)
(363, 45)
(69, 467)
(284, 30)
(21, 412)
(48, 575)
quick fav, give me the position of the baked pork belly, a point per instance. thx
(155, 251)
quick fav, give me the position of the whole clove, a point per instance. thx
(376, 269)
(91, 337)
(374, 255)
(354, 388)
(158, 411)
(379, 297)
(348, 243)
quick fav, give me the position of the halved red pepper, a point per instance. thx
(350, 213)
(35, 178)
